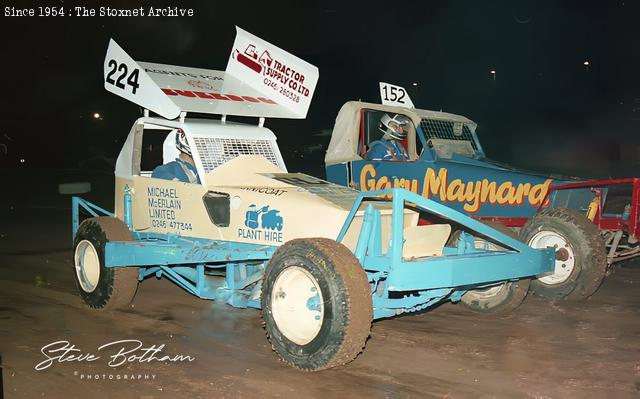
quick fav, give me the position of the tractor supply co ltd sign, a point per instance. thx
(273, 71)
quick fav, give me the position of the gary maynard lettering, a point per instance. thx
(473, 194)
(126, 351)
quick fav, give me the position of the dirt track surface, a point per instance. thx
(542, 350)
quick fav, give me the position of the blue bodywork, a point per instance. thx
(467, 183)
(232, 271)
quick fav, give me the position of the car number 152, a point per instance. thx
(395, 94)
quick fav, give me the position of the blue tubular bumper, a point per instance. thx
(77, 204)
(468, 270)
(462, 270)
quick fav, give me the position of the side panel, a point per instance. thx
(472, 189)
(338, 174)
(270, 216)
(275, 216)
(170, 207)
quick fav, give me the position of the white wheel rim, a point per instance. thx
(563, 268)
(296, 305)
(87, 265)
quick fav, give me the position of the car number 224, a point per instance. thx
(120, 76)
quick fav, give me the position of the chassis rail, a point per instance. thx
(398, 284)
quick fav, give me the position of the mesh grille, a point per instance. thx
(214, 151)
(434, 128)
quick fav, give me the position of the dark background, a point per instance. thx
(545, 110)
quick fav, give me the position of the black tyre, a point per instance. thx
(498, 299)
(581, 263)
(316, 304)
(101, 287)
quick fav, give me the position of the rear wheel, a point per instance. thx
(501, 298)
(581, 262)
(102, 287)
(316, 304)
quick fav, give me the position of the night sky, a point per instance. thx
(546, 110)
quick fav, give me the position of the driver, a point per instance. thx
(389, 147)
(183, 168)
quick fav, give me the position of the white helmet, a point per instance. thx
(396, 127)
(181, 142)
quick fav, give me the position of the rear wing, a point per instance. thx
(261, 80)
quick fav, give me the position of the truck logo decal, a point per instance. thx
(263, 224)
(277, 75)
(473, 194)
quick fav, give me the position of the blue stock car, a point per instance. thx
(592, 224)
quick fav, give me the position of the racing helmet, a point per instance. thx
(395, 127)
(181, 142)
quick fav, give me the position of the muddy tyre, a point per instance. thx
(102, 287)
(499, 299)
(581, 263)
(316, 304)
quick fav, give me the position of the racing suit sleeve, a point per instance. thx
(378, 151)
(169, 171)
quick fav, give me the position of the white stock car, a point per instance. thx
(320, 260)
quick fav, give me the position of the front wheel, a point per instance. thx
(581, 262)
(316, 304)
